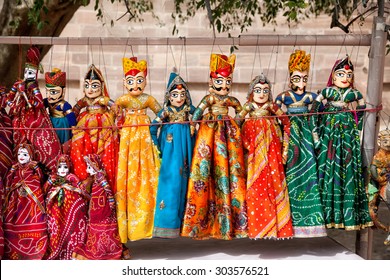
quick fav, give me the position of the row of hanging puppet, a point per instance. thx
(230, 178)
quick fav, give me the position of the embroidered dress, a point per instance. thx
(66, 208)
(301, 168)
(340, 171)
(29, 117)
(267, 197)
(102, 242)
(216, 189)
(25, 223)
(176, 145)
(138, 169)
(95, 133)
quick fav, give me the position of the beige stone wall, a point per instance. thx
(194, 67)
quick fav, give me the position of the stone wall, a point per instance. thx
(193, 61)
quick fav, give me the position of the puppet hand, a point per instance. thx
(316, 140)
(192, 129)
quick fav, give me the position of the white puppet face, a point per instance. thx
(63, 169)
(23, 156)
(90, 170)
(30, 73)
(54, 94)
(298, 81)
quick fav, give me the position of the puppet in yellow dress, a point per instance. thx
(139, 162)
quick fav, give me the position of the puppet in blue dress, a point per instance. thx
(60, 111)
(175, 144)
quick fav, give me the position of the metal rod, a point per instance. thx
(243, 40)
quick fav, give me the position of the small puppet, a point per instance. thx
(379, 187)
(102, 242)
(27, 111)
(25, 221)
(66, 208)
(61, 113)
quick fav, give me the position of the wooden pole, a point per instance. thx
(371, 127)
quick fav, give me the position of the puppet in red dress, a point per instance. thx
(102, 241)
(25, 223)
(66, 208)
(30, 120)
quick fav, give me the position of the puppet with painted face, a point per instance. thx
(61, 113)
(6, 142)
(27, 110)
(216, 190)
(139, 162)
(97, 120)
(102, 242)
(379, 187)
(267, 199)
(339, 160)
(301, 166)
(66, 208)
(25, 223)
(176, 145)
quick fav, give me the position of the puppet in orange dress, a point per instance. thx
(94, 133)
(102, 242)
(25, 223)
(139, 162)
(267, 198)
(30, 120)
(216, 189)
(66, 208)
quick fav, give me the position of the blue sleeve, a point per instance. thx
(71, 116)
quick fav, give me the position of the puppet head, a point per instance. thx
(94, 164)
(135, 75)
(25, 153)
(94, 85)
(32, 64)
(55, 85)
(221, 72)
(342, 74)
(299, 66)
(177, 92)
(63, 165)
(260, 89)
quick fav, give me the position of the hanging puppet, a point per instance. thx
(341, 181)
(6, 155)
(61, 113)
(139, 162)
(25, 223)
(267, 198)
(216, 189)
(66, 208)
(175, 144)
(379, 187)
(30, 120)
(102, 242)
(95, 123)
(301, 167)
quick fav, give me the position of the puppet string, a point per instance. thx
(376, 109)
